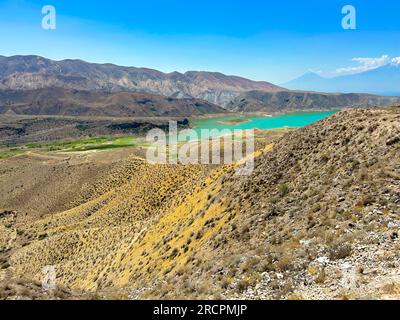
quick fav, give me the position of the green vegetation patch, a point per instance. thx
(7, 153)
(87, 144)
(103, 144)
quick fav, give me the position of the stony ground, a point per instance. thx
(321, 209)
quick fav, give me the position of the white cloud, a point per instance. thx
(396, 61)
(365, 64)
(317, 71)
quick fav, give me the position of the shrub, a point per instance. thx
(42, 236)
(340, 251)
(366, 200)
(283, 189)
(242, 285)
(284, 263)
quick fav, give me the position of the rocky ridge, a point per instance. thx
(33, 72)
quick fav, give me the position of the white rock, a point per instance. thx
(305, 242)
(322, 260)
(279, 275)
(392, 225)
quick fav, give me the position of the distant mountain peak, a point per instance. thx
(384, 80)
(310, 75)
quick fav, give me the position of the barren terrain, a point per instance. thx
(318, 218)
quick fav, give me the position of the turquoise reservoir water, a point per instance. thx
(245, 122)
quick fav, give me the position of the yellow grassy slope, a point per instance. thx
(135, 229)
(84, 240)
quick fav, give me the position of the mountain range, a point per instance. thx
(384, 80)
(260, 101)
(33, 85)
(33, 72)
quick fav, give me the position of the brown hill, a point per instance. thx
(60, 101)
(318, 218)
(33, 72)
(258, 101)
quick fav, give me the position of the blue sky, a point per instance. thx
(261, 40)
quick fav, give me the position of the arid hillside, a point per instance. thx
(41, 129)
(66, 102)
(318, 218)
(258, 101)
